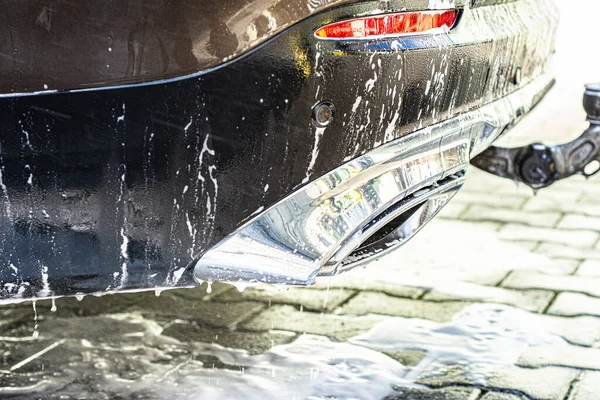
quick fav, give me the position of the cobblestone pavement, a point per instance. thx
(499, 299)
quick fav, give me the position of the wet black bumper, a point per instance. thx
(124, 189)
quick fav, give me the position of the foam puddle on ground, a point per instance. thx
(478, 339)
(128, 355)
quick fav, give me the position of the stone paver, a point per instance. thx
(583, 331)
(561, 355)
(377, 303)
(309, 299)
(211, 313)
(409, 358)
(537, 204)
(508, 201)
(405, 393)
(573, 304)
(589, 268)
(497, 214)
(453, 210)
(549, 383)
(528, 245)
(531, 300)
(352, 282)
(568, 252)
(572, 238)
(252, 342)
(536, 280)
(588, 387)
(288, 318)
(574, 221)
(502, 396)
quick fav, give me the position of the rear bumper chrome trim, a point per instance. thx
(313, 231)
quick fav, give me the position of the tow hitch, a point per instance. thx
(539, 166)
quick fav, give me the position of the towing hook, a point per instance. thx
(539, 166)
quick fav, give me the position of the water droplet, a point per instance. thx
(79, 297)
(36, 334)
(157, 292)
(53, 309)
(241, 286)
(209, 287)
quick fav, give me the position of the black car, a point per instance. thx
(150, 143)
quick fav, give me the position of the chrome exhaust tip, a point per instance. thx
(401, 222)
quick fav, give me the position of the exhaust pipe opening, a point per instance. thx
(379, 237)
(400, 222)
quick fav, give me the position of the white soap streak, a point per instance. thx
(124, 238)
(185, 128)
(26, 133)
(121, 118)
(205, 192)
(315, 153)
(177, 274)
(37, 355)
(45, 292)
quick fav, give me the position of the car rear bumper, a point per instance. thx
(132, 188)
(318, 229)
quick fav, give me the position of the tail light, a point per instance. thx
(406, 23)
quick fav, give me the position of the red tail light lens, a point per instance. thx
(389, 25)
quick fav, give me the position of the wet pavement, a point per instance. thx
(499, 299)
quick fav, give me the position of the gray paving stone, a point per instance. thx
(409, 358)
(496, 214)
(537, 280)
(580, 239)
(588, 387)
(549, 383)
(502, 396)
(537, 204)
(352, 282)
(548, 193)
(531, 300)
(479, 181)
(489, 199)
(583, 331)
(453, 210)
(561, 355)
(589, 268)
(529, 245)
(225, 315)
(309, 299)
(252, 342)
(573, 304)
(378, 303)
(555, 192)
(573, 221)
(562, 193)
(567, 252)
(408, 393)
(288, 318)
(202, 291)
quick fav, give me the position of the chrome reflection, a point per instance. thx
(399, 224)
(315, 229)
